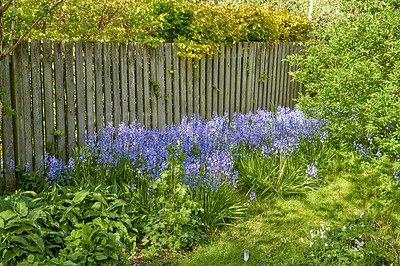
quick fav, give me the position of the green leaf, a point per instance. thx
(7, 215)
(34, 213)
(38, 240)
(96, 205)
(116, 204)
(18, 239)
(101, 257)
(19, 228)
(90, 213)
(69, 263)
(114, 256)
(21, 208)
(80, 196)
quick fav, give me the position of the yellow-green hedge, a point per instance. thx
(199, 27)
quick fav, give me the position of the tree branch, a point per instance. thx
(5, 7)
(9, 50)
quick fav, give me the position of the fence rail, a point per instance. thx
(63, 90)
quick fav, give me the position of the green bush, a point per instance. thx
(351, 73)
(199, 27)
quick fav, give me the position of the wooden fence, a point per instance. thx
(62, 90)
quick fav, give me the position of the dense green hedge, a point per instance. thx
(198, 27)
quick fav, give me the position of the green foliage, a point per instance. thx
(55, 225)
(351, 75)
(280, 176)
(365, 241)
(91, 244)
(198, 27)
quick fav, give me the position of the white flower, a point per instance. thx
(344, 227)
(301, 239)
(326, 244)
(362, 214)
(311, 244)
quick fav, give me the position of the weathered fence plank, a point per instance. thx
(250, 77)
(98, 84)
(244, 78)
(189, 95)
(60, 98)
(183, 86)
(139, 83)
(37, 107)
(70, 93)
(131, 83)
(80, 93)
(233, 80)
(227, 87)
(213, 91)
(19, 108)
(48, 94)
(291, 92)
(209, 87)
(116, 103)
(146, 86)
(256, 75)
(168, 82)
(154, 87)
(203, 72)
(266, 78)
(275, 78)
(196, 88)
(261, 77)
(221, 69)
(161, 82)
(107, 83)
(89, 86)
(271, 78)
(124, 83)
(238, 74)
(8, 125)
(26, 87)
(175, 93)
(285, 76)
(282, 51)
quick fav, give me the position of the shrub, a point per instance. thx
(351, 75)
(198, 27)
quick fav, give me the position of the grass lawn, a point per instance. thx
(277, 231)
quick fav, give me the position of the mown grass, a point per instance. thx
(277, 231)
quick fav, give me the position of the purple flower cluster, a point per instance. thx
(55, 171)
(366, 151)
(206, 150)
(312, 170)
